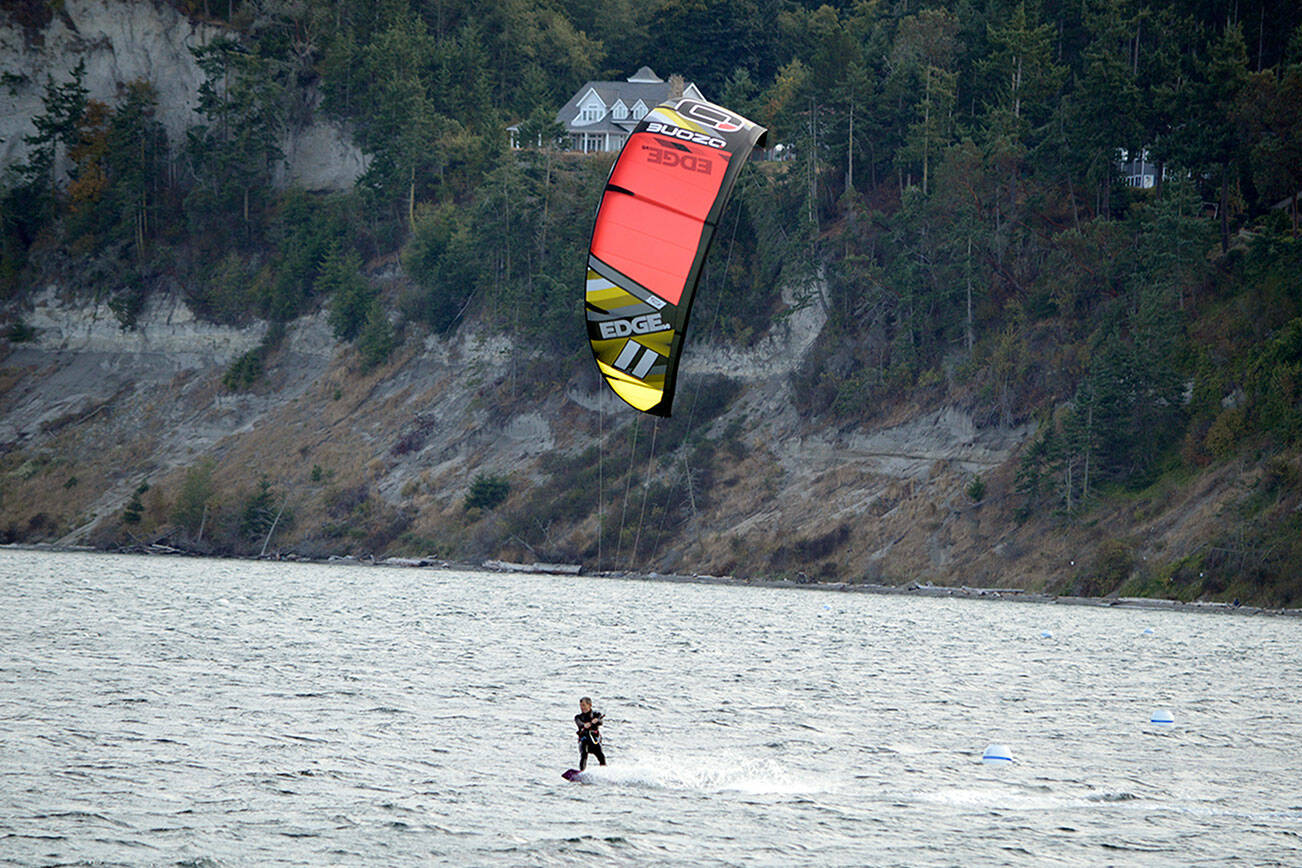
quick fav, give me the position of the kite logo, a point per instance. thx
(691, 163)
(665, 129)
(636, 360)
(712, 115)
(638, 325)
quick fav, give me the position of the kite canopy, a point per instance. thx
(653, 229)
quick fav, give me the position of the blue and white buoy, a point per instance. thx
(1162, 717)
(997, 754)
(1045, 634)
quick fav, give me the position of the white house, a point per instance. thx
(603, 113)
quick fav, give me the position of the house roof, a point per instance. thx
(643, 85)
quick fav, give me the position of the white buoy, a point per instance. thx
(1162, 716)
(1148, 631)
(997, 753)
(1045, 634)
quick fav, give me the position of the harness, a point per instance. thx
(591, 735)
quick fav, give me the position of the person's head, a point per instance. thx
(585, 705)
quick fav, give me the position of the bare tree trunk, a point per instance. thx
(1068, 481)
(1075, 210)
(547, 188)
(969, 297)
(813, 164)
(849, 160)
(926, 129)
(1017, 89)
(1134, 69)
(411, 199)
(275, 522)
(1089, 438)
(1225, 208)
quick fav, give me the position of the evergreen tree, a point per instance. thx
(407, 137)
(259, 514)
(1208, 142)
(1023, 82)
(487, 491)
(195, 499)
(137, 163)
(32, 201)
(134, 512)
(439, 258)
(376, 341)
(1103, 121)
(1270, 110)
(235, 147)
(350, 296)
(926, 50)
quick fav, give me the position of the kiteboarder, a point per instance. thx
(589, 724)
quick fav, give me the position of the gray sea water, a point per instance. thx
(161, 711)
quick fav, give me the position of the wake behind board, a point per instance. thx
(572, 775)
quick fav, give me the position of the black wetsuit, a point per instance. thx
(590, 738)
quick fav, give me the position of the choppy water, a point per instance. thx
(166, 711)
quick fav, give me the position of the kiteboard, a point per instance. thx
(572, 775)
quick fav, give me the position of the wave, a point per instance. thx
(713, 774)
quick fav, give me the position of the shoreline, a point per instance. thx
(912, 589)
(1005, 595)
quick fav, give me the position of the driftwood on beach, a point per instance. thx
(556, 569)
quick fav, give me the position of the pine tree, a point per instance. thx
(57, 131)
(350, 296)
(235, 147)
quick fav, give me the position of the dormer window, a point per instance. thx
(619, 111)
(591, 109)
(639, 110)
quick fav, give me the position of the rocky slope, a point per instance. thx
(124, 42)
(382, 460)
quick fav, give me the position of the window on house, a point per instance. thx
(639, 111)
(592, 112)
(620, 111)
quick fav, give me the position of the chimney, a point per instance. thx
(676, 85)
